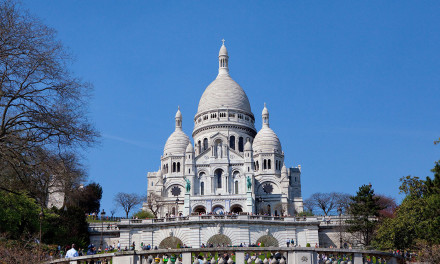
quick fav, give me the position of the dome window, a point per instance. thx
(205, 144)
(232, 142)
(240, 144)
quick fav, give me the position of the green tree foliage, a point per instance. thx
(143, 214)
(18, 215)
(417, 219)
(364, 210)
(65, 227)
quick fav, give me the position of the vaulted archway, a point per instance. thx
(219, 239)
(170, 242)
(268, 241)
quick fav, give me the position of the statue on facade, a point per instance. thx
(219, 151)
(249, 183)
(188, 185)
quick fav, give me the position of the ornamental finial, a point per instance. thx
(223, 42)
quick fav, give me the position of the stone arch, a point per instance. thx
(268, 241)
(236, 208)
(199, 209)
(218, 208)
(170, 242)
(219, 239)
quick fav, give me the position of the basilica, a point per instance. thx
(230, 167)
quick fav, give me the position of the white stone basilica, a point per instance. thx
(231, 167)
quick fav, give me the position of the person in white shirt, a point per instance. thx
(71, 253)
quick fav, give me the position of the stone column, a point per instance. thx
(186, 258)
(132, 259)
(357, 258)
(239, 257)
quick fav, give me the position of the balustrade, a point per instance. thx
(239, 255)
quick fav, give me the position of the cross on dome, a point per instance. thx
(223, 42)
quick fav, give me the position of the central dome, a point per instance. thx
(224, 92)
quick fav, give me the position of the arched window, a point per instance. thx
(268, 209)
(232, 142)
(240, 144)
(174, 167)
(167, 169)
(178, 166)
(173, 211)
(265, 165)
(205, 144)
(199, 147)
(236, 187)
(257, 166)
(218, 174)
(202, 188)
(268, 164)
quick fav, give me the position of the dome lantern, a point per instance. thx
(265, 116)
(178, 119)
(223, 60)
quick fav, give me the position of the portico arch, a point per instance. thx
(268, 241)
(170, 242)
(199, 209)
(236, 208)
(219, 239)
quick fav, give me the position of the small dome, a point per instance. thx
(176, 143)
(265, 111)
(223, 51)
(266, 141)
(189, 148)
(178, 113)
(248, 146)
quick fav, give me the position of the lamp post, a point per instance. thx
(102, 225)
(41, 214)
(340, 226)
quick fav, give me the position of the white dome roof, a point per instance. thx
(176, 143)
(224, 92)
(266, 141)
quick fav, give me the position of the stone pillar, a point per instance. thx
(239, 257)
(357, 258)
(249, 202)
(186, 258)
(186, 205)
(131, 259)
(302, 257)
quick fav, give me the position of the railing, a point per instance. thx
(219, 217)
(240, 255)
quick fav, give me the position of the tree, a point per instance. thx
(88, 198)
(364, 210)
(388, 204)
(326, 202)
(43, 113)
(154, 203)
(127, 201)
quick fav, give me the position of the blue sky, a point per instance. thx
(352, 86)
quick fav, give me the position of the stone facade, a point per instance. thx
(230, 167)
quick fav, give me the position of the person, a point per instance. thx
(288, 242)
(71, 253)
(292, 242)
(91, 250)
